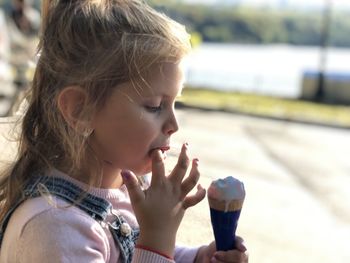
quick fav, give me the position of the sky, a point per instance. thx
(338, 4)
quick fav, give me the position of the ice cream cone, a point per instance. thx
(225, 206)
(225, 197)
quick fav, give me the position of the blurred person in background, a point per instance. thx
(25, 18)
(6, 78)
(23, 23)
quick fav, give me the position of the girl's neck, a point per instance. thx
(111, 178)
(94, 173)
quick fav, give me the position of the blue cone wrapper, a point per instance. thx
(224, 226)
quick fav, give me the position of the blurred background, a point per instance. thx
(19, 28)
(266, 57)
(267, 100)
(263, 49)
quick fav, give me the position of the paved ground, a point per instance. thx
(296, 176)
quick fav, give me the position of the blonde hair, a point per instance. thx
(96, 45)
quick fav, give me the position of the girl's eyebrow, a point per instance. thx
(164, 95)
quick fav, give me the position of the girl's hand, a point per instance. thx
(160, 209)
(208, 254)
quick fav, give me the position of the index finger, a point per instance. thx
(158, 169)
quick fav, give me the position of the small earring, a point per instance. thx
(86, 134)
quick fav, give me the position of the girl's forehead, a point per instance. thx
(168, 73)
(165, 70)
(164, 81)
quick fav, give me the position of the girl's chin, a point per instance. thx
(144, 170)
(141, 168)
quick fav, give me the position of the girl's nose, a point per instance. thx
(171, 125)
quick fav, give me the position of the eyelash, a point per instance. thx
(154, 109)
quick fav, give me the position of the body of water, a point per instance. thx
(275, 70)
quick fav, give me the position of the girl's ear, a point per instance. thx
(71, 101)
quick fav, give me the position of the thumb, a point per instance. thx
(134, 189)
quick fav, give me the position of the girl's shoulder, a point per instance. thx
(51, 212)
(49, 223)
(49, 207)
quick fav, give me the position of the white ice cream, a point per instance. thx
(227, 189)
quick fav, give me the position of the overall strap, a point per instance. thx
(125, 237)
(96, 207)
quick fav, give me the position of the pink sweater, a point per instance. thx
(47, 229)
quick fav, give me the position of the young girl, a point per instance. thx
(100, 113)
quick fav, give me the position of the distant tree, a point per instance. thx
(253, 25)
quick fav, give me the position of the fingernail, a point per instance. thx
(185, 145)
(196, 161)
(126, 175)
(160, 155)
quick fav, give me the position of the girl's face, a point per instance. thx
(138, 118)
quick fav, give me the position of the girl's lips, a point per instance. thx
(163, 149)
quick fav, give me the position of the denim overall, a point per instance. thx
(97, 208)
